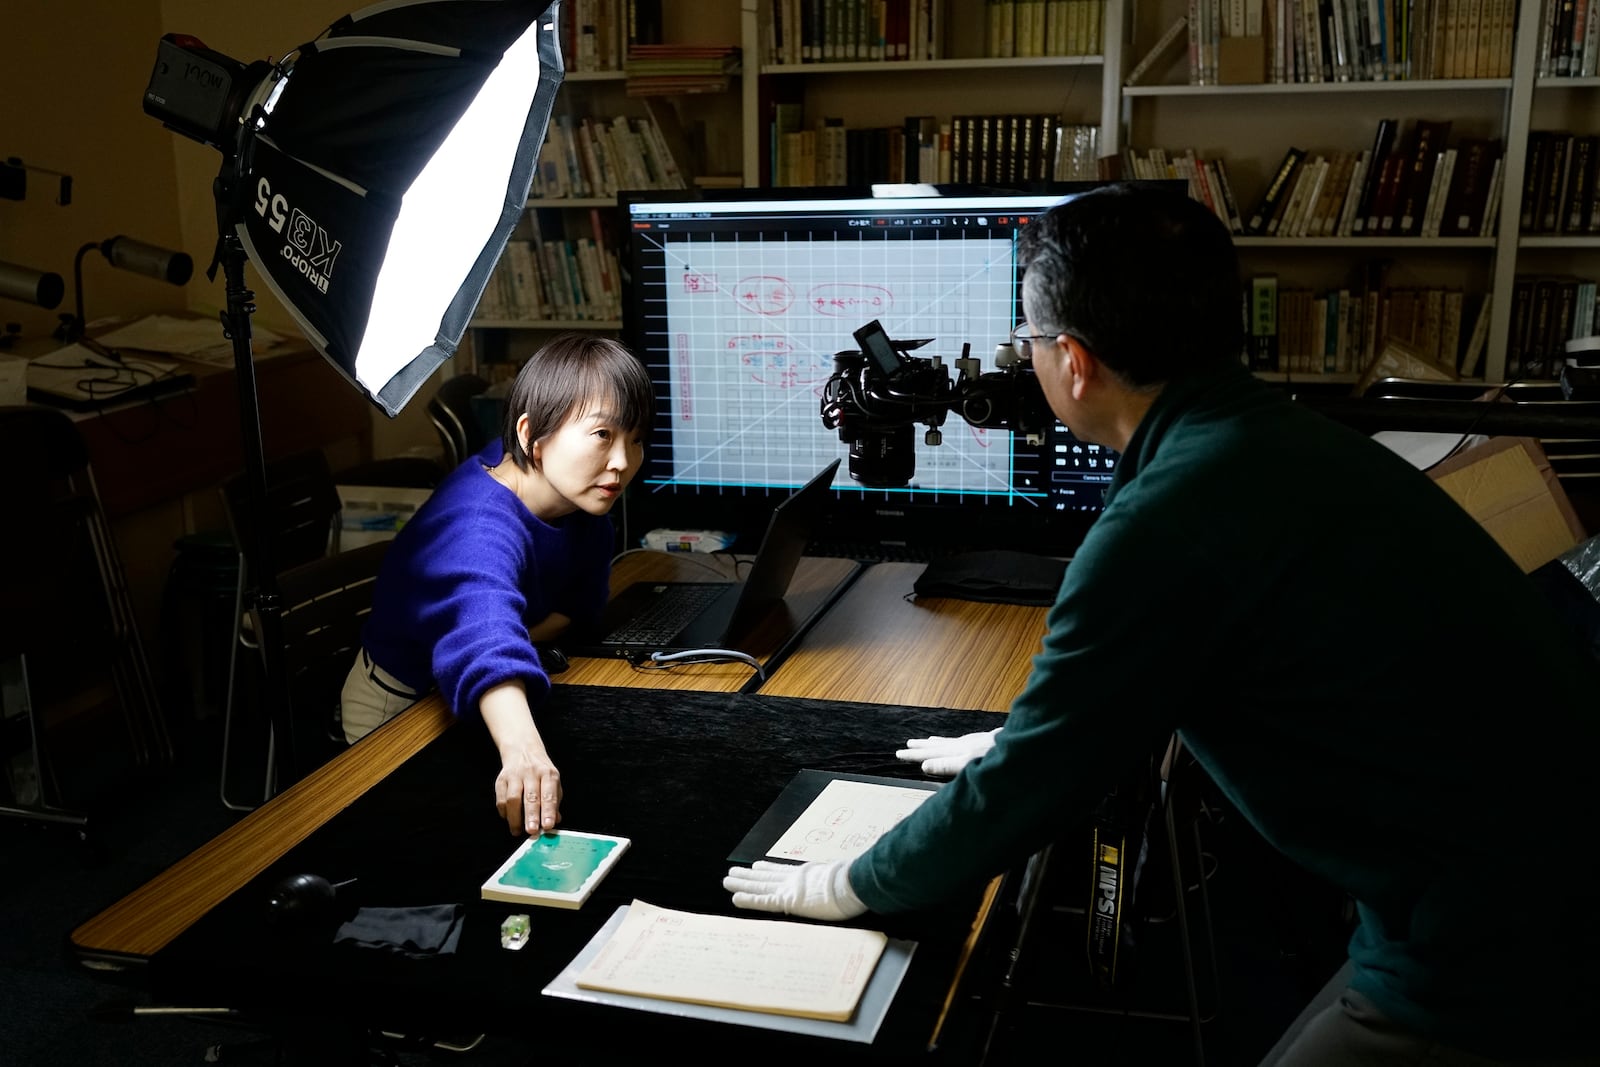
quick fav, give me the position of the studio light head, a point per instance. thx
(375, 173)
(200, 93)
(124, 253)
(30, 286)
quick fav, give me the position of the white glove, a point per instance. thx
(944, 757)
(811, 890)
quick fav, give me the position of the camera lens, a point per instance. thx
(883, 459)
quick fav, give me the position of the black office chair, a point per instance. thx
(302, 517)
(69, 640)
(450, 409)
(325, 604)
(300, 520)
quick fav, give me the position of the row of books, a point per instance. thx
(1208, 178)
(1295, 41)
(851, 31)
(1561, 184)
(670, 69)
(551, 275)
(596, 34)
(1342, 331)
(1043, 28)
(1547, 311)
(1569, 39)
(924, 149)
(1416, 185)
(596, 157)
(994, 149)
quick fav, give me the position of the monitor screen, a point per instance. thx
(738, 301)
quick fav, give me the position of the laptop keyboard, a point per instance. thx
(673, 609)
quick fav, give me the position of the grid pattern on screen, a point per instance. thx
(750, 321)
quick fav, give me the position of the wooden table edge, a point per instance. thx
(145, 921)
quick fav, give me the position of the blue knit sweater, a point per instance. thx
(467, 577)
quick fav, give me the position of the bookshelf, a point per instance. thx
(1492, 92)
(968, 68)
(1499, 95)
(605, 135)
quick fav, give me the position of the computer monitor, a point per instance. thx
(738, 300)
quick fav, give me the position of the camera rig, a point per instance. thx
(876, 394)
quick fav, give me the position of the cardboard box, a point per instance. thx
(1507, 484)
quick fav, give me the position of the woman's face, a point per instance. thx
(588, 461)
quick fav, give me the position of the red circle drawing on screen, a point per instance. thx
(764, 294)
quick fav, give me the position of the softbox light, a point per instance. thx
(381, 169)
(373, 176)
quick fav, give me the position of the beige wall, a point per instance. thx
(71, 100)
(71, 88)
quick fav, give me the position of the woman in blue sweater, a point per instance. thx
(512, 548)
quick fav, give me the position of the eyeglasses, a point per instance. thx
(1024, 342)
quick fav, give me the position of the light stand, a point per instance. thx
(258, 551)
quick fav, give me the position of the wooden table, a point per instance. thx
(869, 645)
(876, 647)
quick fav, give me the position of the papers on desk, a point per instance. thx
(845, 819)
(830, 981)
(78, 376)
(197, 339)
(830, 815)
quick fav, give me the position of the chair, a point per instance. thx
(302, 518)
(69, 640)
(325, 604)
(450, 409)
(299, 520)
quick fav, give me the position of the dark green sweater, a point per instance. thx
(1359, 667)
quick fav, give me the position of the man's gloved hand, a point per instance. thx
(944, 757)
(811, 890)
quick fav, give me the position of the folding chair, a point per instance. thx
(299, 518)
(450, 410)
(70, 628)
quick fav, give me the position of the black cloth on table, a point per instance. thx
(684, 775)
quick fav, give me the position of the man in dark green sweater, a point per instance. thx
(1357, 664)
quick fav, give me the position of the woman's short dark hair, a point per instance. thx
(1144, 276)
(576, 371)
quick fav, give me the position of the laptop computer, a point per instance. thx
(672, 617)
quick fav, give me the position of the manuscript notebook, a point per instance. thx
(763, 965)
(557, 869)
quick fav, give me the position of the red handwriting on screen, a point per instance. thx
(699, 283)
(848, 299)
(685, 383)
(764, 294)
(771, 361)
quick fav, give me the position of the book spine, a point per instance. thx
(1276, 190)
